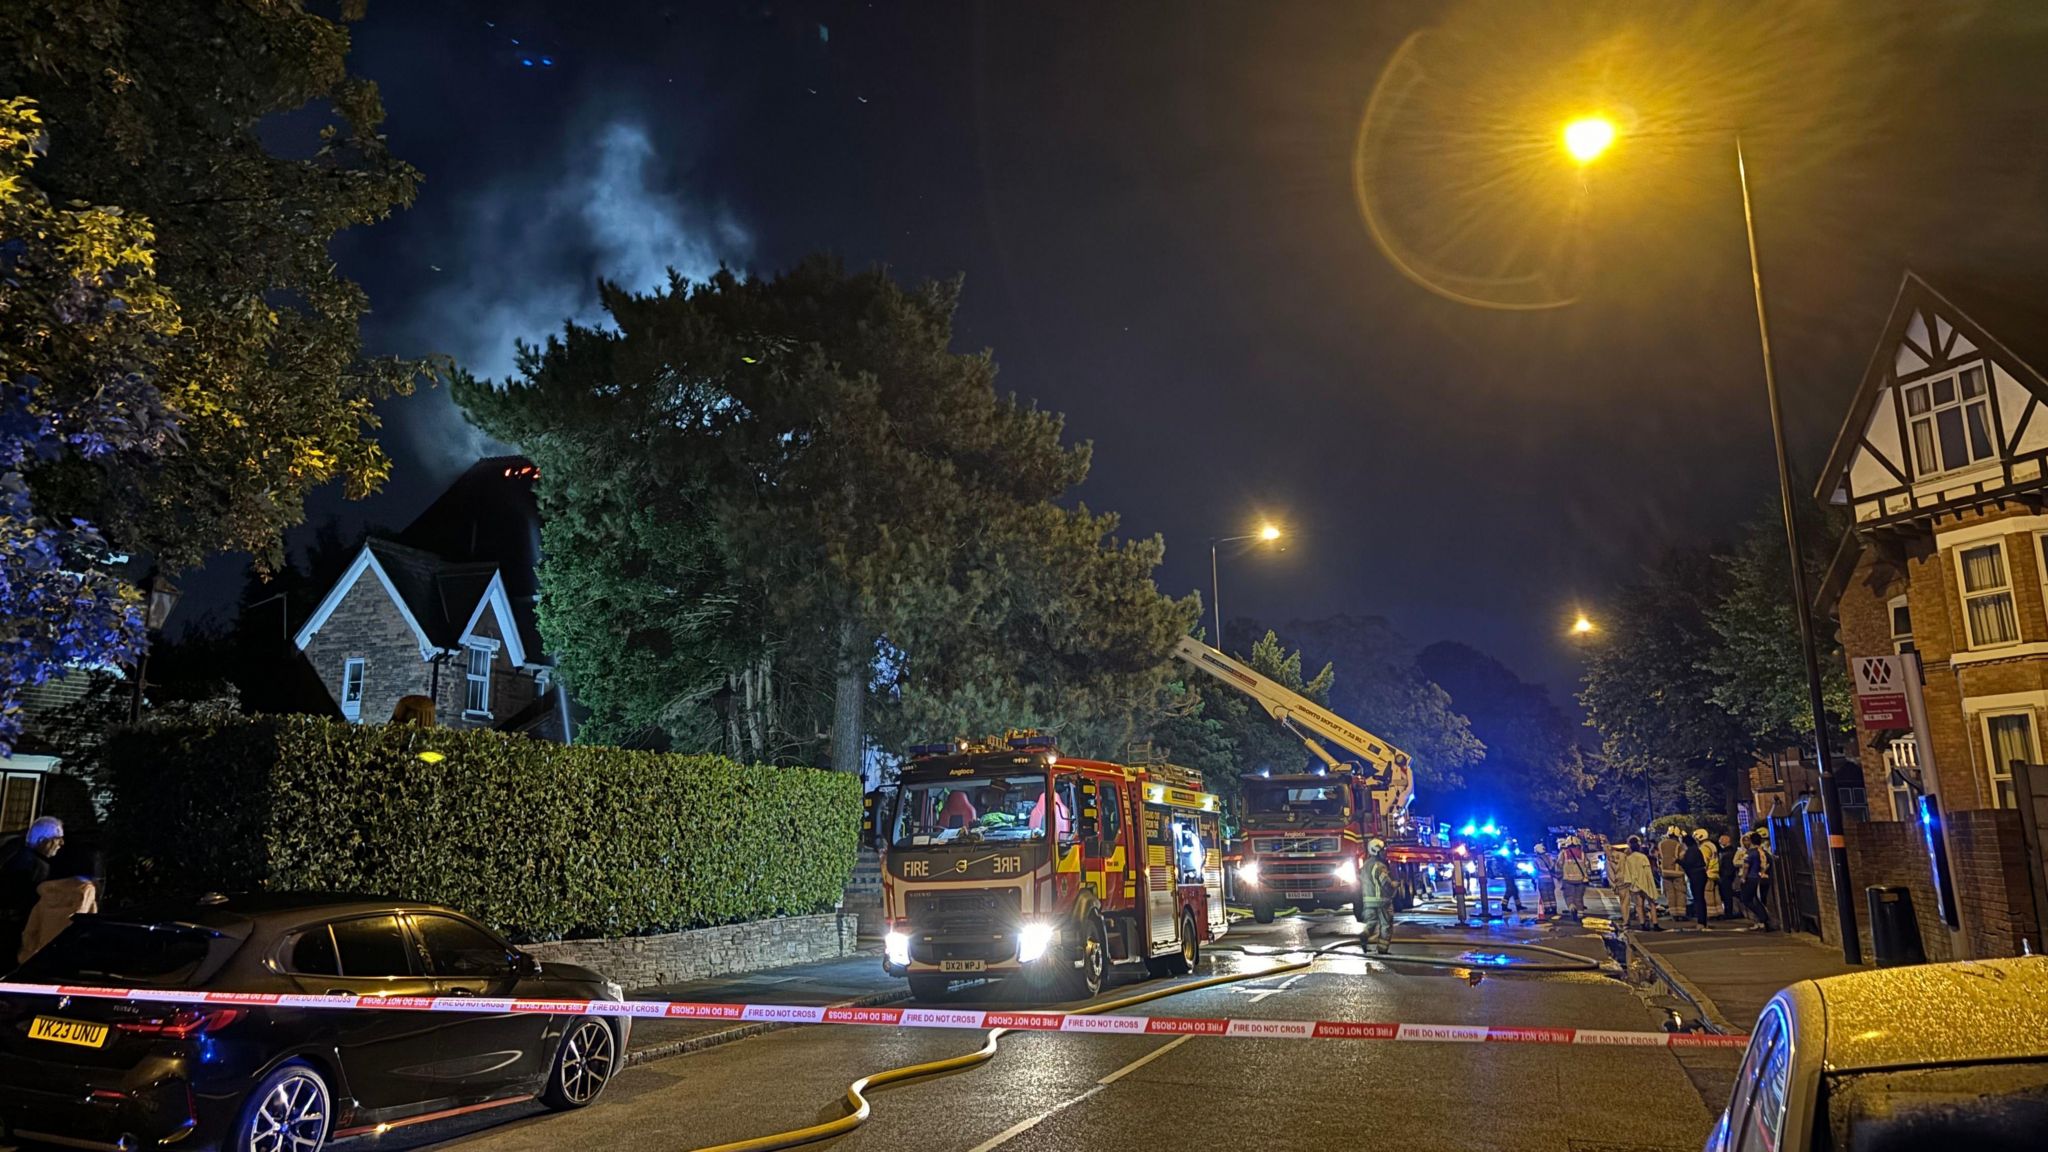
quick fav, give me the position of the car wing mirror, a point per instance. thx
(525, 965)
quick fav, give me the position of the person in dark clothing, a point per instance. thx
(1755, 866)
(21, 874)
(1729, 909)
(1693, 862)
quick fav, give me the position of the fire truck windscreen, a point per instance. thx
(1277, 798)
(972, 810)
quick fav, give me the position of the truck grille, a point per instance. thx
(1319, 869)
(1265, 846)
(976, 911)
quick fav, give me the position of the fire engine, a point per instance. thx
(1304, 834)
(1007, 859)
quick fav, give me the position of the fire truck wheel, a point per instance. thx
(1262, 911)
(1092, 976)
(929, 987)
(1190, 946)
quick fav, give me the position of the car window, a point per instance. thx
(312, 953)
(1757, 1108)
(94, 951)
(454, 948)
(372, 946)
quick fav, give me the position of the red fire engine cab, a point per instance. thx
(1008, 859)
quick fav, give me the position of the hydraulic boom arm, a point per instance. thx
(1312, 723)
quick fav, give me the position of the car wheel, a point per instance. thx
(930, 987)
(289, 1111)
(584, 1063)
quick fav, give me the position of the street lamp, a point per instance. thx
(159, 596)
(1585, 140)
(1582, 626)
(1266, 534)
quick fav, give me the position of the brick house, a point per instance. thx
(446, 611)
(1940, 465)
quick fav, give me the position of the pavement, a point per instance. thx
(1730, 973)
(847, 982)
(1059, 1091)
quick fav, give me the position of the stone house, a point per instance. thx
(1940, 466)
(446, 611)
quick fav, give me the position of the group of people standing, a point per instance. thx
(1709, 879)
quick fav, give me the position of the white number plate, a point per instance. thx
(962, 965)
(1301, 895)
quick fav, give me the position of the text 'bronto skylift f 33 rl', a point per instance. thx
(1007, 859)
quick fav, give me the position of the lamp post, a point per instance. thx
(1586, 139)
(159, 597)
(1266, 534)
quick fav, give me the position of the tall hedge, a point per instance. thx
(540, 840)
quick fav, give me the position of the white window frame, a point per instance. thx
(1914, 421)
(1902, 642)
(470, 649)
(2000, 775)
(358, 667)
(1965, 596)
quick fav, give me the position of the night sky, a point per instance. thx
(1155, 211)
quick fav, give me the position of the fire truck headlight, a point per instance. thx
(1346, 873)
(1032, 941)
(1248, 871)
(896, 946)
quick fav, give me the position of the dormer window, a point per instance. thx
(1951, 420)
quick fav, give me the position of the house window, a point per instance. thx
(1951, 421)
(1987, 595)
(1902, 625)
(352, 688)
(479, 700)
(2008, 737)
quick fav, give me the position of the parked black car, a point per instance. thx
(246, 1078)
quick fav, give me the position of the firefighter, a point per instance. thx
(1376, 895)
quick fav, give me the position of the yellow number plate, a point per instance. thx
(67, 1031)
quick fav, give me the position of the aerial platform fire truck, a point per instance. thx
(1304, 834)
(1008, 859)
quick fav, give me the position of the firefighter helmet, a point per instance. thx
(1375, 846)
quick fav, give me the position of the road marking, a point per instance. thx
(1027, 1124)
(1141, 1061)
(1258, 994)
(1023, 1126)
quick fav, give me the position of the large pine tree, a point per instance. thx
(774, 503)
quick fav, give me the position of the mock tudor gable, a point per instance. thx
(1947, 415)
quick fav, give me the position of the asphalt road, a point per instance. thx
(1046, 1092)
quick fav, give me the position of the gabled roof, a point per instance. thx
(442, 602)
(1987, 314)
(489, 515)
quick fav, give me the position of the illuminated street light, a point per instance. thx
(1582, 625)
(1266, 534)
(1587, 138)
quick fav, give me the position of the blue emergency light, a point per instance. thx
(1490, 828)
(1031, 742)
(920, 751)
(1470, 829)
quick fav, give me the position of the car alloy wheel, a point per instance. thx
(585, 1066)
(290, 1115)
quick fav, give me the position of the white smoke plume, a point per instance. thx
(530, 258)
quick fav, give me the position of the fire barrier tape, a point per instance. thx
(969, 1019)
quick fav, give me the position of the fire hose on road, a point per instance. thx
(856, 1092)
(857, 1100)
